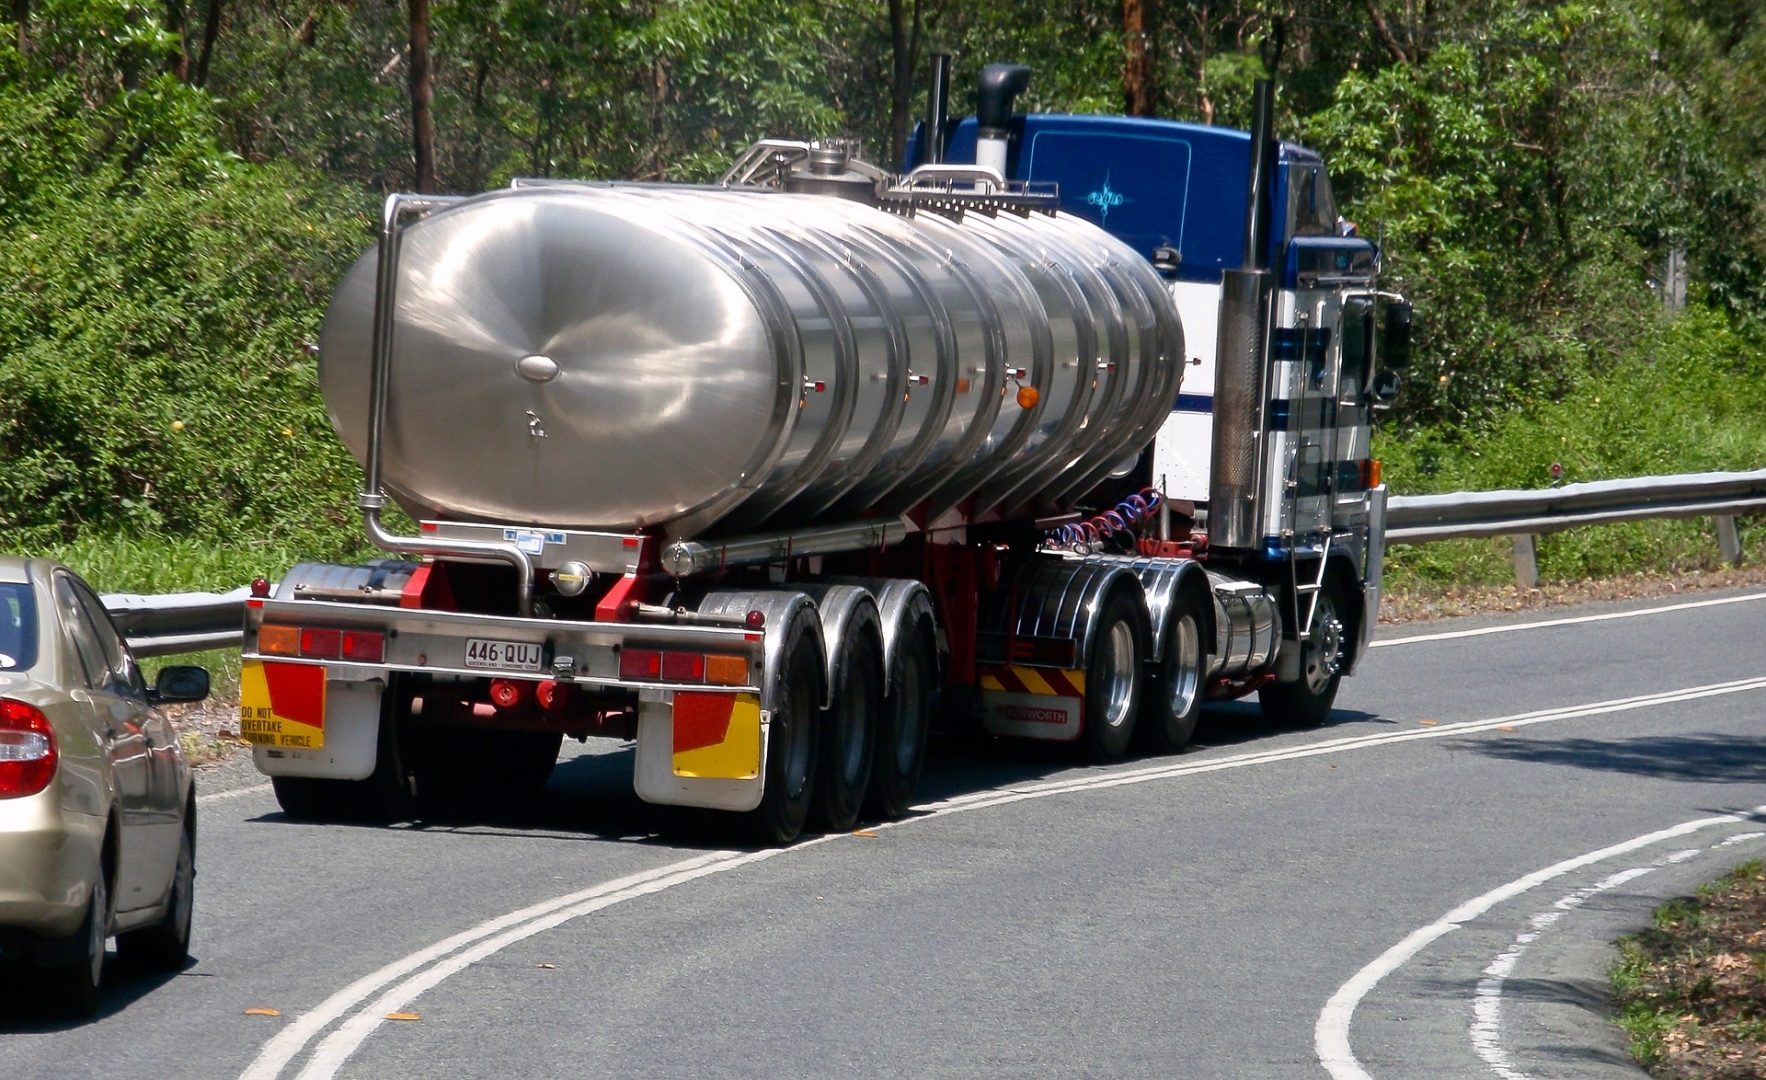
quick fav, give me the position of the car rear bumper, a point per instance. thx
(48, 860)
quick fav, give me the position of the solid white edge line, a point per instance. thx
(232, 793)
(1635, 613)
(292, 1040)
(1330, 1037)
(288, 1042)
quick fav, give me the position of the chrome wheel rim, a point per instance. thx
(912, 712)
(1324, 652)
(1186, 671)
(1116, 667)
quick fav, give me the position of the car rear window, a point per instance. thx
(18, 626)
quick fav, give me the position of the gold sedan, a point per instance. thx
(97, 808)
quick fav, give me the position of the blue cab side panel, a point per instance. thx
(1151, 183)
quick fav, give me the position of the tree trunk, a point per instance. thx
(1137, 69)
(179, 64)
(21, 17)
(422, 125)
(904, 48)
(211, 29)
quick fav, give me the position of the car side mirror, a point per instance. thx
(1396, 354)
(180, 683)
(1385, 388)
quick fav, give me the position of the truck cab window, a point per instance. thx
(1312, 211)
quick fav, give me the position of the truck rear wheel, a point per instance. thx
(384, 796)
(1306, 702)
(793, 743)
(901, 732)
(1174, 695)
(849, 733)
(1113, 677)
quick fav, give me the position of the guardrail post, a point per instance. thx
(1526, 560)
(1729, 539)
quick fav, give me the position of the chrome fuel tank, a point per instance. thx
(705, 360)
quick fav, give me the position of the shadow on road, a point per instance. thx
(590, 797)
(25, 1010)
(1705, 758)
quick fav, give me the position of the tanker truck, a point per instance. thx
(1054, 432)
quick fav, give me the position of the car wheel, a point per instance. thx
(74, 987)
(165, 946)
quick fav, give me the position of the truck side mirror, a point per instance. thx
(1385, 389)
(1397, 350)
(1167, 260)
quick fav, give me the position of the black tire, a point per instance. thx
(849, 734)
(383, 797)
(903, 723)
(1306, 702)
(793, 739)
(165, 945)
(73, 988)
(1113, 677)
(1174, 692)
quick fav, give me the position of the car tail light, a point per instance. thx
(507, 693)
(640, 664)
(726, 670)
(683, 667)
(279, 640)
(27, 750)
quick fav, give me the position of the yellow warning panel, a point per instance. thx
(717, 735)
(1045, 682)
(282, 705)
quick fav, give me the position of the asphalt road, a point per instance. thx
(1425, 887)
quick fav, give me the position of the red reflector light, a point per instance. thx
(260, 587)
(755, 619)
(552, 695)
(27, 750)
(364, 645)
(325, 644)
(506, 693)
(640, 664)
(683, 667)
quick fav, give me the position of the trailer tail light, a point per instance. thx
(640, 664)
(726, 670)
(27, 750)
(321, 644)
(279, 640)
(1372, 472)
(552, 695)
(364, 645)
(683, 667)
(507, 693)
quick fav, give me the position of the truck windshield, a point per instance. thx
(1311, 209)
(18, 626)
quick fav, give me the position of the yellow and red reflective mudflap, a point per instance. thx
(716, 735)
(1033, 703)
(282, 705)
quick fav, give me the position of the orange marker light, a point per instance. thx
(726, 670)
(279, 640)
(1028, 397)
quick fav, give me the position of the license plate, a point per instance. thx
(502, 655)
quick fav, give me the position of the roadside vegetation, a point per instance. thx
(1692, 989)
(182, 184)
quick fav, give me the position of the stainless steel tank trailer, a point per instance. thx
(1062, 430)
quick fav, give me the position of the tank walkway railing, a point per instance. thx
(169, 623)
(1526, 515)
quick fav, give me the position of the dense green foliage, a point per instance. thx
(174, 211)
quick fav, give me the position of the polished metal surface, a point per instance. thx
(712, 361)
(1247, 628)
(1115, 668)
(1240, 396)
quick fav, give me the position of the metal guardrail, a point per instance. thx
(171, 623)
(1526, 515)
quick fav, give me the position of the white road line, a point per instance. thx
(1486, 1029)
(1511, 628)
(1330, 1037)
(232, 793)
(516, 926)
